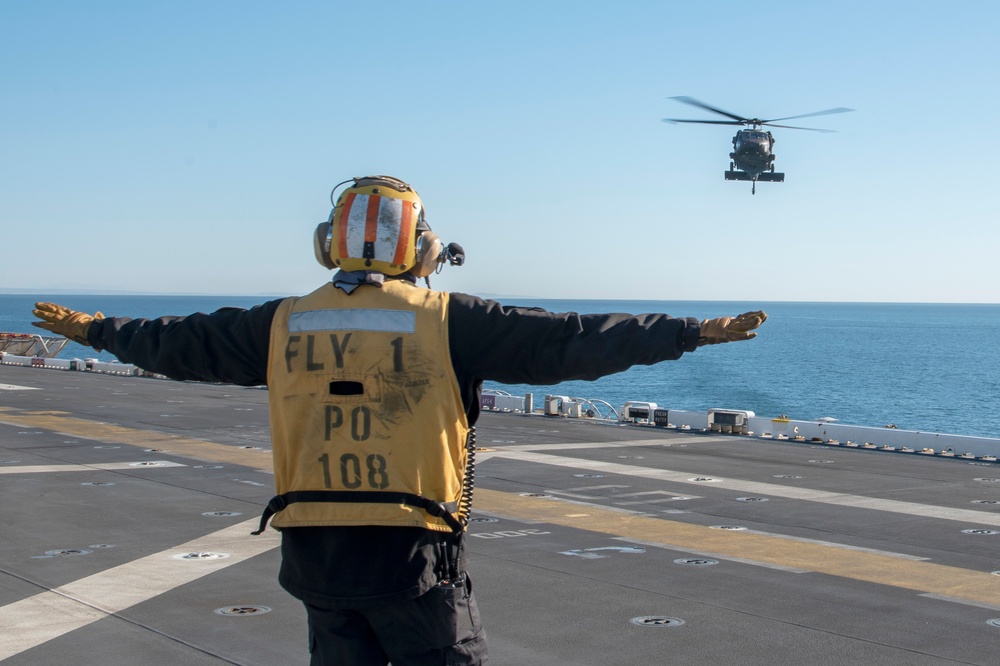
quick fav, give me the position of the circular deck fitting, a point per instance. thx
(153, 450)
(68, 552)
(534, 495)
(253, 448)
(657, 621)
(208, 466)
(98, 483)
(222, 514)
(994, 622)
(590, 476)
(986, 501)
(751, 499)
(242, 611)
(201, 556)
(788, 476)
(696, 561)
(95, 546)
(483, 519)
(732, 528)
(980, 531)
(703, 479)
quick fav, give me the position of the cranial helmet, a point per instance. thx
(378, 224)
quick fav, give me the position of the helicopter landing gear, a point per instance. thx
(772, 168)
(753, 188)
(731, 166)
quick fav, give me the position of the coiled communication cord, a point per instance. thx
(469, 482)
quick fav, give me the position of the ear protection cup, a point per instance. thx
(429, 249)
(321, 245)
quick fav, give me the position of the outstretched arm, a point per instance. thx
(229, 345)
(532, 346)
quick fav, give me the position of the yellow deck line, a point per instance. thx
(108, 433)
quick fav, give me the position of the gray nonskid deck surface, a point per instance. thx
(92, 519)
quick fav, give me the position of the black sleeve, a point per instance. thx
(517, 345)
(230, 345)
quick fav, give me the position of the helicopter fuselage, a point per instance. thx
(753, 151)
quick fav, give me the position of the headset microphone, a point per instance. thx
(454, 254)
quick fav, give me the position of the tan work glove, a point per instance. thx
(70, 323)
(730, 329)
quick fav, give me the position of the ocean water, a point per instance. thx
(918, 366)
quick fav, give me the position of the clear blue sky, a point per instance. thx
(190, 147)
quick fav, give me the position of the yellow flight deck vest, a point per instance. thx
(367, 421)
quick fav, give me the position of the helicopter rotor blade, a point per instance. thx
(811, 129)
(704, 122)
(839, 109)
(701, 105)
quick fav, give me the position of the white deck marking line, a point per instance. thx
(15, 387)
(649, 492)
(573, 495)
(714, 556)
(757, 488)
(665, 443)
(136, 464)
(40, 618)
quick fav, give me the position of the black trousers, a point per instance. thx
(440, 628)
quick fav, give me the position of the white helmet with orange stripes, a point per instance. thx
(378, 224)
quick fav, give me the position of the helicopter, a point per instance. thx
(753, 147)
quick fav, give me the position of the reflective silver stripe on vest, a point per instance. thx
(388, 321)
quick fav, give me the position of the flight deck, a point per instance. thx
(129, 503)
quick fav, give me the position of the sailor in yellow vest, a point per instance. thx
(374, 387)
